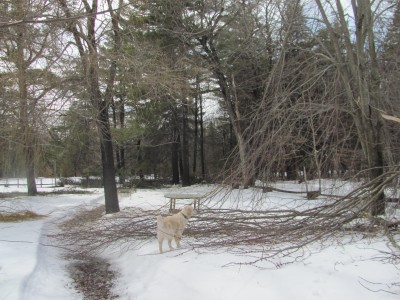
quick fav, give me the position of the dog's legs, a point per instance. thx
(169, 244)
(178, 240)
(160, 242)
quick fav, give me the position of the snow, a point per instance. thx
(331, 274)
(32, 268)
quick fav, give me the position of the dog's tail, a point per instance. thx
(160, 221)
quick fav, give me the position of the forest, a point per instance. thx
(183, 92)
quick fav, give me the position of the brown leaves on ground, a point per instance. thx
(19, 216)
(93, 278)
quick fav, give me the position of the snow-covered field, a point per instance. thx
(31, 268)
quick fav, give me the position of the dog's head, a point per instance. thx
(188, 211)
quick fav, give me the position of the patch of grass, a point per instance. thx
(55, 192)
(84, 217)
(19, 216)
(65, 191)
(124, 190)
(12, 195)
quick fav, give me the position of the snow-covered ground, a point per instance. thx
(31, 268)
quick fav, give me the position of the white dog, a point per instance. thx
(171, 227)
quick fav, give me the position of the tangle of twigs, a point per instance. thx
(261, 234)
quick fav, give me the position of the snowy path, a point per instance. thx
(28, 268)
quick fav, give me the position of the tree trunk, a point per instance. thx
(106, 145)
(291, 170)
(175, 161)
(90, 61)
(180, 161)
(122, 147)
(175, 140)
(195, 138)
(30, 169)
(107, 157)
(119, 148)
(25, 124)
(139, 159)
(185, 147)
(115, 125)
(203, 169)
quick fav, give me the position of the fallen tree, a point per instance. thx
(261, 235)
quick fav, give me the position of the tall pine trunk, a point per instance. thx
(195, 135)
(202, 160)
(185, 146)
(118, 108)
(175, 161)
(175, 140)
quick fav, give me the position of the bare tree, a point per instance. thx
(28, 54)
(354, 55)
(87, 44)
(26, 128)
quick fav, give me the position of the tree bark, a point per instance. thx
(107, 158)
(175, 161)
(117, 147)
(25, 123)
(121, 148)
(195, 135)
(202, 161)
(118, 108)
(175, 140)
(185, 146)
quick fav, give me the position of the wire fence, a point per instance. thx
(22, 182)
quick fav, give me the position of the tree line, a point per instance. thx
(191, 91)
